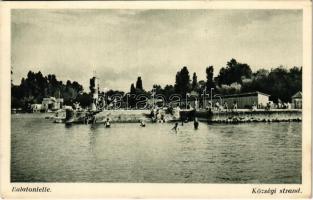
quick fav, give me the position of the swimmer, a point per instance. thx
(107, 123)
(142, 124)
(196, 123)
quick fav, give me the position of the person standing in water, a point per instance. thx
(107, 123)
(175, 127)
(196, 123)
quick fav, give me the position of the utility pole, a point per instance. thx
(127, 101)
(153, 94)
(211, 98)
(187, 95)
(204, 101)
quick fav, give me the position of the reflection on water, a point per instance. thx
(245, 153)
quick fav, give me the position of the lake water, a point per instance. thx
(43, 151)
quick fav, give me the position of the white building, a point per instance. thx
(51, 103)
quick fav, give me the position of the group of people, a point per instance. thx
(157, 116)
(175, 128)
(280, 105)
(219, 107)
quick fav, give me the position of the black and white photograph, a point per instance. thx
(155, 95)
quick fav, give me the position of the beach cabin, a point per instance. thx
(297, 100)
(243, 100)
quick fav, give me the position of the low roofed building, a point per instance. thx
(297, 100)
(244, 100)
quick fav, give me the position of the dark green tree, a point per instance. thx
(139, 84)
(84, 100)
(234, 72)
(177, 83)
(92, 84)
(194, 84)
(282, 85)
(132, 89)
(35, 87)
(158, 89)
(209, 77)
(168, 91)
(132, 96)
(182, 83)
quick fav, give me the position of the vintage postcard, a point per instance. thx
(156, 99)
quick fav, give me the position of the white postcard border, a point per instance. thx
(145, 190)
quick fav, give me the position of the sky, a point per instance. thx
(120, 45)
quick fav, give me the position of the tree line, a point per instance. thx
(35, 87)
(281, 83)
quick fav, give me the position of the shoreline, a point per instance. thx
(222, 117)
